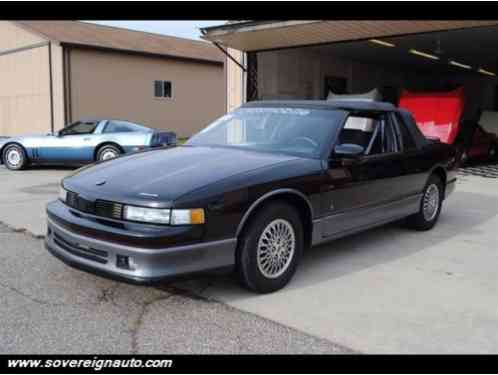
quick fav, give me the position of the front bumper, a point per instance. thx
(136, 264)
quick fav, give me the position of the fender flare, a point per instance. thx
(258, 202)
(106, 143)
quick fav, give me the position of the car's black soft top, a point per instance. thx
(355, 105)
(349, 105)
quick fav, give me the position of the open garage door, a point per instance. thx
(310, 59)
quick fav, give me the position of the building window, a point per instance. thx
(163, 89)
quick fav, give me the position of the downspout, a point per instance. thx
(51, 87)
(68, 86)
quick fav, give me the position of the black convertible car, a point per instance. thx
(251, 192)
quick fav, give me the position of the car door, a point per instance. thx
(364, 191)
(71, 144)
(415, 165)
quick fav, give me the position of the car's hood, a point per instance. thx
(164, 175)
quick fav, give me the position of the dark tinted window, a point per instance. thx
(117, 126)
(158, 89)
(167, 89)
(163, 89)
(80, 128)
(408, 142)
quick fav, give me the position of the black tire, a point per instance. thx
(421, 221)
(107, 150)
(493, 152)
(251, 272)
(14, 157)
(464, 159)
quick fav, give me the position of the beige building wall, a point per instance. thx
(234, 80)
(119, 85)
(24, 89)
(13, 37)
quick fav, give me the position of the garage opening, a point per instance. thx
(461, 61)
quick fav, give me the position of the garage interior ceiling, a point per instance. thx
(475, 47)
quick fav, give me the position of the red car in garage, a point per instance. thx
(439, 115)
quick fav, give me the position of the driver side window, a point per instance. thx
(79, 128)
(376, 135)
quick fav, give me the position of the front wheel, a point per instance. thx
(14, 157)
(270, 249)
(430, 206)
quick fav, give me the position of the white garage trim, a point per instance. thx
(257, 36)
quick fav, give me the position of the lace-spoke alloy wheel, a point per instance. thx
(431, 202)
(276, 248)
(430, 205)
(270, 247)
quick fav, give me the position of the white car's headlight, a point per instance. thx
(164, 216)
(62, 194)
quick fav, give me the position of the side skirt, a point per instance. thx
(360, 219)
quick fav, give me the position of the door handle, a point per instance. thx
(86, 139)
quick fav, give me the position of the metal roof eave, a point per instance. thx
(267, 35)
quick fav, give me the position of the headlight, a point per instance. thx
(62, 194)
(164, 216)
(147, 215)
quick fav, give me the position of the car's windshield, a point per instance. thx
(299, 131)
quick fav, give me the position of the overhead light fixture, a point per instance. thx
(487, 72)
(423, 54)
(382, 43)
(460, 65)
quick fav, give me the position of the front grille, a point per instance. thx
(109, 209)
(100, 208)
(89, 253)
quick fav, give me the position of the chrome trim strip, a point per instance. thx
(267, 195)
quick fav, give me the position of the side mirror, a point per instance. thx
(348, 151)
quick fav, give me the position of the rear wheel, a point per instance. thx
(270, 248)
(108, 152)
(14, 157)
(430, 205)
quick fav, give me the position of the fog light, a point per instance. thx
(123, 261)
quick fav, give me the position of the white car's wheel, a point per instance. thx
(108, 152)
(14, 157)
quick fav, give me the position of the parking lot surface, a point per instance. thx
(388, 290)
